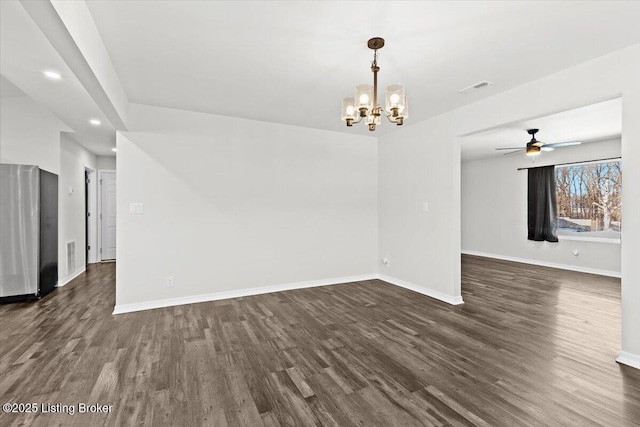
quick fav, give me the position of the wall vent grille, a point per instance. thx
(475, 87)
(71, 257)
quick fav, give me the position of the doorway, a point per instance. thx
(107, 215)
(587, 183)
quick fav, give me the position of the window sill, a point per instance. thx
(589, 239)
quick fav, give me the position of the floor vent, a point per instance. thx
(71, 257)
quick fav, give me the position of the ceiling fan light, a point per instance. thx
(533, 150)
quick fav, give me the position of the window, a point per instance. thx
(589, 199)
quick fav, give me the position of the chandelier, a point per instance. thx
(364, 105)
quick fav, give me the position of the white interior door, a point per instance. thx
(108, 214)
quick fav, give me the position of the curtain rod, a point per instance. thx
(573, 163)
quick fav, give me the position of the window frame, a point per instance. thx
(576, 236)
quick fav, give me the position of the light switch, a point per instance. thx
(70, 190)
(425, 206)
(136, 208)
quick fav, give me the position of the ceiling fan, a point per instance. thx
(534, 147)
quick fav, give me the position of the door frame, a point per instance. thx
(91, 208)
(99, 218)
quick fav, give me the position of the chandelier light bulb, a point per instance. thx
(364, 97)
(395, 100)
(373, 120)
(348, 111)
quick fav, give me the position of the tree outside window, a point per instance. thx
(589, 199)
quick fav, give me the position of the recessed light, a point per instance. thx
(114, 149)
(52, 75)
(95, 122)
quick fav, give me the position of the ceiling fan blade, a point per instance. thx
(510, 148)
(546, 148)
(563, 144)
(538, 144)
(519, 150)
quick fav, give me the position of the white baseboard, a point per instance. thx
(70, 277)
(629, 359)
(608, 273)
(453, 300)
(169, 302)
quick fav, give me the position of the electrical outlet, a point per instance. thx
(170, 282)
(385, 261)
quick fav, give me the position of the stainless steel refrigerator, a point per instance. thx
(28, 232)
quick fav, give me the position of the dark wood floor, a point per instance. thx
(531, 346)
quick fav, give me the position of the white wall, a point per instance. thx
(71, 206)
(421, 164)
(106, 162)
(494, 211)
(29, 134)
(631, 212)
(232, 204)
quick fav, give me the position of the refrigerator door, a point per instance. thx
(48, 263)
(19, 229)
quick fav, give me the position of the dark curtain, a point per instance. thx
(543, 221)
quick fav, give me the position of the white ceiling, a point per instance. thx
(9, 90)
(589, 123)
(25, 53)
(292, 62)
